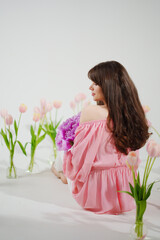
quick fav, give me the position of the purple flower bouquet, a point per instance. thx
(66, 133)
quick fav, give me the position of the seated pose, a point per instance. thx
(96, 164)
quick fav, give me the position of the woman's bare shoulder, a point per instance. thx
(93, 112)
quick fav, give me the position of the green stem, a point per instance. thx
(18, 126)
(50, 116)
(12, 167)
(30, 168)
(144, 176)
(145, 172)
(149, 170)
(54, 149)
(19, 122)
(5, 126)
(133, 173)
(139, 222)
(34, 127)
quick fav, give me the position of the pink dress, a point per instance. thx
(98, 171)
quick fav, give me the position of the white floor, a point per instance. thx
(39, 206)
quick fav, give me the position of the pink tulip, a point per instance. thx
(158, 154)
(57, 104)
(37, 110)
(80, 97)
(146, 108)
(43, 103)
(3, 113)
(9, 119)
(43, 107)
(72, 105)
(132, 160)
(150, 142)
(22, 108)
(36, 116)
(49, 107)
(153, 149)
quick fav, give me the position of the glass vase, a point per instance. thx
(33, 166)
(139, 229)
(11, 170)
(54, 155)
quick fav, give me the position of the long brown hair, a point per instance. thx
(126, 119)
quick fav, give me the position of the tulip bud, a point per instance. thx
(22, 108)
(132, 160)
(57, 104)
(3, 113)
(36, 117)
(9, 119)
(80, 97)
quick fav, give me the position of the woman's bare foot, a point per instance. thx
(55, 171)
(63, 178)
(59, 174)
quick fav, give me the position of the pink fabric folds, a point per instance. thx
(98, 171)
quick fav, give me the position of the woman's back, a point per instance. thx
(93, 112)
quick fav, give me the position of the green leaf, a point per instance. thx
(127, 193)
(11, 139)
(40, 139)
(33, 140)
(139, 191)
(5, 138)
(26, 145)
(58, 123)
(15, 127)
(22, 148)
(135, 192)
(44, 130)
(39, 130)
(148, 192)
(32, 131)
(132, 188)
(138, 178)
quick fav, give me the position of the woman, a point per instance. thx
(96, 164)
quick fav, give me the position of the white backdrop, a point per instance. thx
(47, 48)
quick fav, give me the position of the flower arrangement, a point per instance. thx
(141, 191)
(36, 136)
(45, 123)
(8, 137)
(51, 125)
(66, 133)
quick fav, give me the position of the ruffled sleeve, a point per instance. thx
(78, 161)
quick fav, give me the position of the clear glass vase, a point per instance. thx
(33, 166)
(54, 155)
(139, 230)
(11, 170)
